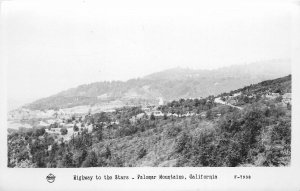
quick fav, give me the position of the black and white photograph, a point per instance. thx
(147, 84)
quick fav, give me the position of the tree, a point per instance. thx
(91, 160)
(289, 106)
(278, 99)
(79, 156)
(181, 141)
(68, 159)
(76, 128)
(141, 153)
(116, 161)
(152, 117)
(64, 131)
(278, 90)
(165, 116)
(253, 121)
(209, 115)
(54, 125)
(98, 132)
(107, 152)
(39, 132)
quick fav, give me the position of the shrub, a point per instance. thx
(39, 132)
(152, 117)
(79, 157)
(209, 115)
(67, 159)
(141, 153)
(76, 128)
(91, 160)
(278, 99)
(181, 141)
(64, 131)
(173, 131)
(116, 161)
(282, 131)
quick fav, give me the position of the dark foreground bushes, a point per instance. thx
(258, 135)
(254, 136)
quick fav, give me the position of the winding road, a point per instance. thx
(218, 100)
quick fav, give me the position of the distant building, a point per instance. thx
(231, 101)
(272, 95)
(161, 101)
(53, 130)
(43, 124)
(146, 109)
(115, 122)
(50, 121)
(139, 116)
(110, 110)
(158, 114)
(287, 98)
(175, 115)
(203, 115)
(188, 114)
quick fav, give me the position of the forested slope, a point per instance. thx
(211, 134)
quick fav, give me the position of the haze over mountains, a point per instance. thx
(169, 84)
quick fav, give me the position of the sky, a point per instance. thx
(50, 46)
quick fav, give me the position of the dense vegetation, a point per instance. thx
(280, 85)
(183, 106)
(257, 135)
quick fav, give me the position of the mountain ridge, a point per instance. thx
(254, 130)
(169, 84)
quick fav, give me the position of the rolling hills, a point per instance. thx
(212, 134)
(169, 84)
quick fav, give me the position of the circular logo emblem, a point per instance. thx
(50, 178)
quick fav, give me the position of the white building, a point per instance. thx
(43, 124)
(161, 101)
(287, 98)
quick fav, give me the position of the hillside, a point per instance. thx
(184, 132)
(280, 85)
(170, 85)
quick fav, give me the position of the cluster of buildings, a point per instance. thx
(25, 114)
(70, 129)
(271, 95)
(286, 98)
(152, 110)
